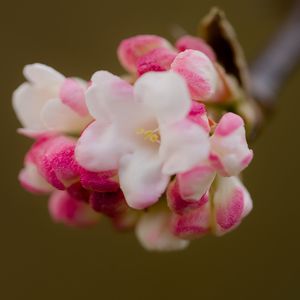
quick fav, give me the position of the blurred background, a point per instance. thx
(42, 260)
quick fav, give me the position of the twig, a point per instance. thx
(272, 68)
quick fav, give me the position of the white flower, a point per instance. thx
(141, 131)
(50, 102)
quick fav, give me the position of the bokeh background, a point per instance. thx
(42, 260)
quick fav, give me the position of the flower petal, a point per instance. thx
(194, 183)
(132, 48)
(72, 94)
(100, 147)
(99, 181)
(42, 75)
(65, 209)
(27, 104)
(111, 204)
(60, 117)
(183, 146)
(192, 224)
(157, 60)
(199, 73)
(141, 179)
(232, 203)
(179, 205)
(165, 94)
(195, 43)
(32, 181)
(108, 95)
(153, 232)
(230, 153)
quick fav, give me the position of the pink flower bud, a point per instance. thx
(110, 204)
(105, 181)
(55, 160)
(199, 73)
(231, 203)
(192, 224)
(133, 48)
(157, 60)
(230, 153)
(195, 43)
(153, 232)
(179, 205)
(63, 208)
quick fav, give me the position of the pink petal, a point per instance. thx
(72, 94)
(99, 181)
(65, 209)
(230, 153)
(111, 204)
(179, 205)
(199, 73)
(55, 160)
(232, 203)
(153, 232)
(192, 224)
(195, 43)
(194, 183)
(157, 60)
(132, 48)
(198, 115)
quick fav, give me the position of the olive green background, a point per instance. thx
(42, 260)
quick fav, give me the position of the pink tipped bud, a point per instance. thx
(232, 203)
(131, 49)
(63, 208)
(179, 205)
(195, 43)
(153, 232)
(157, 60)
(199, 73)
(230, 153)
(193, 224)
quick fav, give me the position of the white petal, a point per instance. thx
(153, 232)
(42, 74)
(165, 94)
(27, 103)
(58, 116)
(100, 147)
(141, 179)
(184, 145)
(32, 181)
(108, 96)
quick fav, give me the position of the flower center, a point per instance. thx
(149, 135)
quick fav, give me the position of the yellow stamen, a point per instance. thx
(149, 135)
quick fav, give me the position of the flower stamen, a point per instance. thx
(150, 135)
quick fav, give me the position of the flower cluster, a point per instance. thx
(159, 150)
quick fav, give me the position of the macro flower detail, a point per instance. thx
(143, 131)
(50, 102)
(158, 151)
